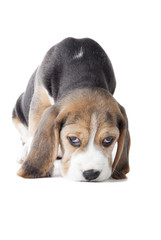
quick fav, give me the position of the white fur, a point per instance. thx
(23, 132)
(79, 54)
(56, 170)
(22, 154)
(24, 137)
(51, 100)
(25, 151)
(114, 152)
(91, 158)
(60, 154)
(27, 141)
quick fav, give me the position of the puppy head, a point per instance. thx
(93, 127)
(87, 124)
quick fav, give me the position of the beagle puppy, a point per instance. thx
(68, 104)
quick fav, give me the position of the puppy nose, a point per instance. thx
(91, 174)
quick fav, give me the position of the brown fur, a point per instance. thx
(39, 103)
(74, 113)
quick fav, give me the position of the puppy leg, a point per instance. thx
(24, 135)
(40, 102)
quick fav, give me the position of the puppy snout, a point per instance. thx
(91, 174)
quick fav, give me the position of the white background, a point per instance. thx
(54, 208)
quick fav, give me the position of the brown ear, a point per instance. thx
(121, 162)
(44, 147)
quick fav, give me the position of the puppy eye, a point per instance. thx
(107, 141)
(74, 141)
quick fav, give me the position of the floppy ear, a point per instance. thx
(121, 162)
(44, 147)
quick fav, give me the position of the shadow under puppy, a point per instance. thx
(68, 103)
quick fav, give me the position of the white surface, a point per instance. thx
(54, 208)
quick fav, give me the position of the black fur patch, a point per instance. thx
(62, 124)
(19, 110)
(110, 118)
(31, 171)
(61, 72)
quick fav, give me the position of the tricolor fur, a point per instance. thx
(69, 96)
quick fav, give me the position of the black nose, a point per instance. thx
(91, 174)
